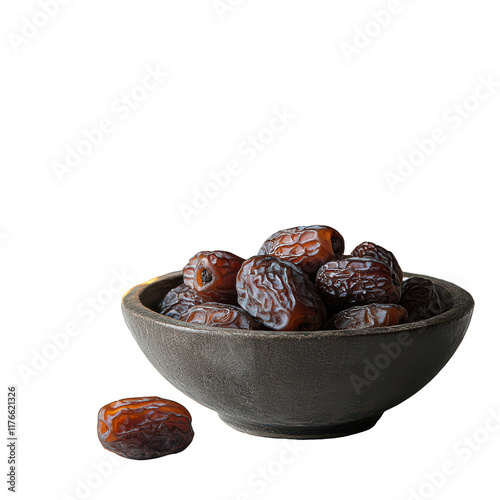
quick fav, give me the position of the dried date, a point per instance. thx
(420, 298)
(220, 315)
(178, 301)
(144, 428)
(279, 294)
(370, 316)
(356, 281)
(370, 250)
(308, 247)
(212, 275)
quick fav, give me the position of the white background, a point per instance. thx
(120, 211)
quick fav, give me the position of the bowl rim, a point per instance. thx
(463, 304)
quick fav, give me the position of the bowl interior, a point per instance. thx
(151, 295)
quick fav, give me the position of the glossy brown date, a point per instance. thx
(370, 316)
(420, 298)
(220, 315)
(178, 301)
(279, 294)
(212, 275)
(372, 251)
(308, 247)
(356, 281)
(144, 428)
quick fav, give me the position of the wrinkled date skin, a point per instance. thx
(178, 301)
(370, 250)
(144, 428)
(279, 294)
(221, 315)
(308, 247)
(212, 275)
(356, 281)
(420, 298)
(370, 316)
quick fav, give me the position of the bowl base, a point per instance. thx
(290, 432)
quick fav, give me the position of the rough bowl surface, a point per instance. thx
(296, 384)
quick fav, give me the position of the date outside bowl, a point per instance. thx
(299, 385)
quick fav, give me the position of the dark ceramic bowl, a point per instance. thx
(296, 384)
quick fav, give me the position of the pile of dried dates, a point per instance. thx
(301, 280)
